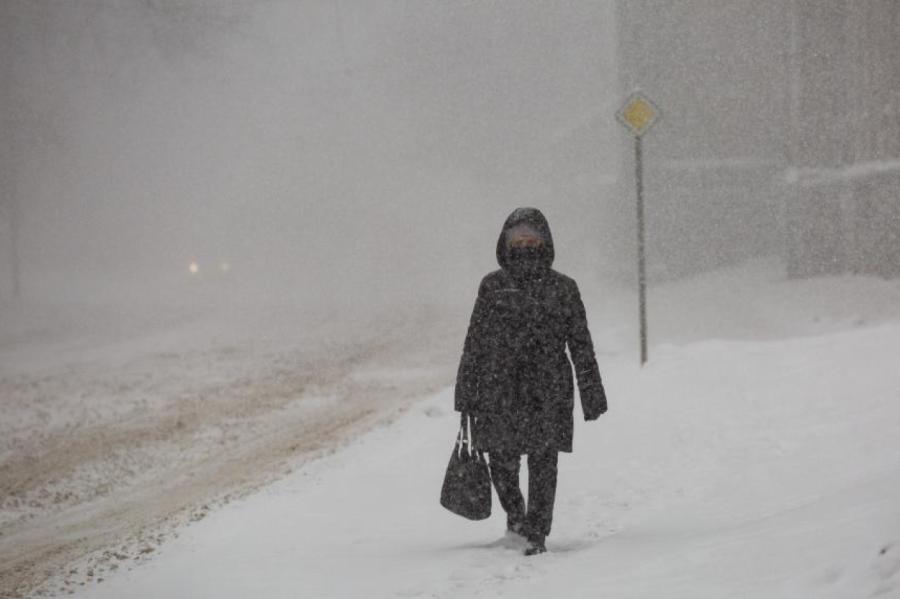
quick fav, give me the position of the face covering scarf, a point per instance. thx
(527, 262)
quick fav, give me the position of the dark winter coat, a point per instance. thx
(514, 375)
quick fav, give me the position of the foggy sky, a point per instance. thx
(342, 151)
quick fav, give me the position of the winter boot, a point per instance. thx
(535, 546)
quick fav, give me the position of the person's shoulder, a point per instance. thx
(491, 280)
(563, 281)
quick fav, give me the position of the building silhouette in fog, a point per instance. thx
(781, 132)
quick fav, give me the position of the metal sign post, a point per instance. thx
(638, 114)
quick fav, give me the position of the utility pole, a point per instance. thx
(642, 260)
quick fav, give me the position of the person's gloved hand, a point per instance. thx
(595, 404)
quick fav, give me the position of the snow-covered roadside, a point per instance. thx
(118, 426)
(724, 468)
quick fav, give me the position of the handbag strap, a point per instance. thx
(465, 437)
(463, 440)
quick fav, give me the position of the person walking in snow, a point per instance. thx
(515, 380)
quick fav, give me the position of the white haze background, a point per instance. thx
(352, 163)
(358, 153)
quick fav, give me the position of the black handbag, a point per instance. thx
(467, 483)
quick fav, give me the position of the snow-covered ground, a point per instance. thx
(756, 455)
(723, 469)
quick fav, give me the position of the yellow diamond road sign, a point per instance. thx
(638, 114)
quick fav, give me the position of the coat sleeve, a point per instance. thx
(465, 394)
(590, 385)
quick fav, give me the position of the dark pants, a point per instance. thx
(536, 520)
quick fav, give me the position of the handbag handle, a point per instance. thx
(462, 439)
(465, 435)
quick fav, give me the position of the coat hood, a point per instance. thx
(534, 218)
